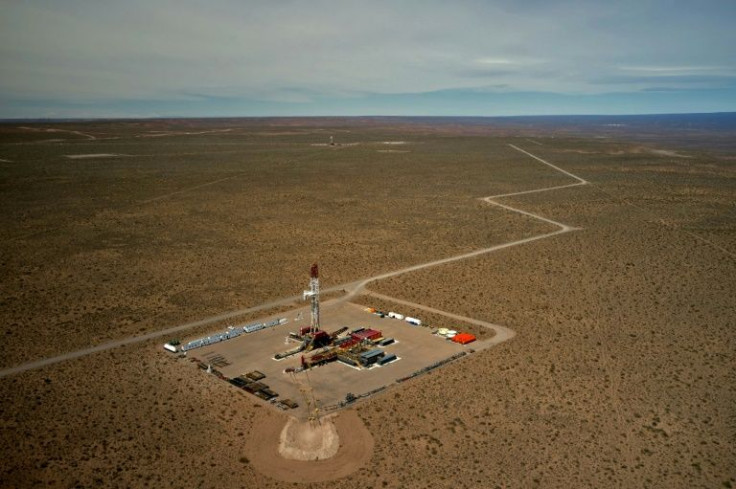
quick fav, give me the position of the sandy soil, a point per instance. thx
(621, 373)
(667, 152)
(309, 440)
(93, 156)
(137, 244)
(278, 450)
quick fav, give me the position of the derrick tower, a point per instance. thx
(313, 293)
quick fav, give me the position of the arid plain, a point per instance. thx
(621, 373)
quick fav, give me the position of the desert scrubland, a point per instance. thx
(621, 373)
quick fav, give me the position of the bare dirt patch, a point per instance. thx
(354, 451)
(667, 152)
(92, 155)
(329, 384)
(309, 440)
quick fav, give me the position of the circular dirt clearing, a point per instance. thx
(344, 435)
(309, 440)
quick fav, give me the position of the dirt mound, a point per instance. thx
(274, 449)
(309, 440)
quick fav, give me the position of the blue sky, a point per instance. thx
(156, 58)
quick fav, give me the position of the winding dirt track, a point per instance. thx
(352, 288)
(563, 228)
(351, 456)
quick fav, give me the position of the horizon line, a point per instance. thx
(366, 116)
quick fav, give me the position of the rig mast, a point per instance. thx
(313, 292)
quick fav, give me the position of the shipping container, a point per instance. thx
(253, 328)
(255, 375)
(387, 359)
(266, 394)
(255, 387)
(463, 338)
(238, 382)
(367, 334)
(371, 357)
(371, 354)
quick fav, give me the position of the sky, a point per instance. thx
(186, 58)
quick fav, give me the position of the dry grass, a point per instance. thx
(621, 373)
(96, 249)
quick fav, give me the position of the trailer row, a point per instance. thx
(395, 315)
(230, 333)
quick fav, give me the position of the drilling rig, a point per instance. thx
(313, 292)
(311, 336)
(318, 347)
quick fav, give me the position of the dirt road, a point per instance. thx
(351, 289)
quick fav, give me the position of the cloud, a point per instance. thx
(303, 51)
(676, 70)
(666, 89)
(668, 80)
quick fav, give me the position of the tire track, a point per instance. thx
(502, 333)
